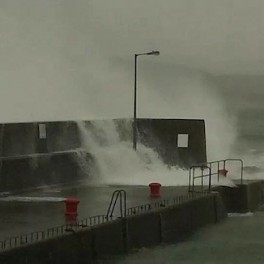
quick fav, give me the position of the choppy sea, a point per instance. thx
(239, 239)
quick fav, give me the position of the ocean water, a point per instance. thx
(239, 239)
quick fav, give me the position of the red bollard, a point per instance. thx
(155, 189)
(71, 206)
(223, 172)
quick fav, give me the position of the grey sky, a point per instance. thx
(219, 36)
(66, 59)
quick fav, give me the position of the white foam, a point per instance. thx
(31, 199)
(240, 215)
(118, 164)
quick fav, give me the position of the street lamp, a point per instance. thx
(156, 53)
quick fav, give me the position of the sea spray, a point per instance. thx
(117, 163)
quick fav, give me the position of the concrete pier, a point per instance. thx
(173, 221)
(24, 217)
(174, 217)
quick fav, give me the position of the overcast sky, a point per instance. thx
(57, 56)
(219, 36)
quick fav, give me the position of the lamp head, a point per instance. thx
(154, 52)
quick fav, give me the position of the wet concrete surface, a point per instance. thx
(21, 217)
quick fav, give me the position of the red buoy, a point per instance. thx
(223, 172)
(71, 206)
(155, 189)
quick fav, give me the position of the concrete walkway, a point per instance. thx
(38, 210)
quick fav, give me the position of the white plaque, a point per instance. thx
(42, 131)
(183, 140)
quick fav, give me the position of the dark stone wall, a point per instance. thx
(143, 230)
(246, 197)
(21, 168)
(219, 208)
(18, 139)
(109, 239)
(255, 194)
(27, 172)
(180, 221)
(66, 249)
(62, 136)
(176, 223)
(161, 135)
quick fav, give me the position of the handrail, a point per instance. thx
(224, 166)
(210, 167)
(192, 177)
(121, 194)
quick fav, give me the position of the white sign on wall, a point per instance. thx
(42, 131)
(183, 141)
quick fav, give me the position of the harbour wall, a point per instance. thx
(246, 197)
(32, 171)
(167, 225)
(44, 153)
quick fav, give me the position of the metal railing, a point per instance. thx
(207, 170)
(121, 194)
(74, 226)
(205, 173)
(77, 225)
(141, 209)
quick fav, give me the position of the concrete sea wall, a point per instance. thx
(163, 136)
(43, 153)
(31, 171)
(171, 224)
(246, 197)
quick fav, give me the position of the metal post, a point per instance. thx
(135, 107)
(154, 52)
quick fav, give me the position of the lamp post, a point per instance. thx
(156, 53)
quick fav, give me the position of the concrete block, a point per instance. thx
(161, 135)
(246, 197)
(203, 211)
(16, 174)
(176, 222)
(31, 171)
(255, 195)
(23, 138)
(143, 230)
(1, 139)
(220, 208)
(66, 249)
(108, 239)
(62, 136)
(19, 139)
